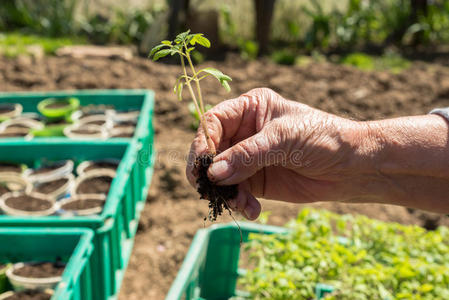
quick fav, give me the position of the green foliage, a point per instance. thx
(196, 117)
(14, 44)
(362, 258)
(390, 61)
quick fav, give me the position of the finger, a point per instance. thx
(244, 159)
(253, 208)
(197, 148)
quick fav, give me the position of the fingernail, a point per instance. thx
(249, 212)
(220, 170)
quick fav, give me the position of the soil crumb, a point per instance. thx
(40, 270)
(216, 194)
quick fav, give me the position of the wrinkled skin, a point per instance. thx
(277, 149)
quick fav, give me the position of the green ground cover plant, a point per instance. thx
(360, 257)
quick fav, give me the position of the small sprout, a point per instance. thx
(183, 45)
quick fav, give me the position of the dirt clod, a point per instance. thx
(218, 195)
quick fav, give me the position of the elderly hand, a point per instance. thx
(284, 150)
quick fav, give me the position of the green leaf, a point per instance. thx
(223, 78)
(168, 43)
(161, 53)
(182, 36)
(200, 39)
(155, 49)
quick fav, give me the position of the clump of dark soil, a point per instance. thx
(51, 186)
(95, 185)
(29, 295)
(40, 270)
(28, 203)
(216, 194)
(83, 204)
(48, 168)
(58, 105)
(101, 165)
(10, 167)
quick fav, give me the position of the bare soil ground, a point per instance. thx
(173, 212)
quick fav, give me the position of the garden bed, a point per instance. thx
(173, 213)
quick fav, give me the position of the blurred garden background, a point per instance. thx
(361, 59)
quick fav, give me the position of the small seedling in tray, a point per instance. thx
(183, 45)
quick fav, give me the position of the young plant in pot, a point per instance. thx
(13, 182)
(89, 165)
(58, 108)
(27, 204)
(35, 275)
(183, 45)
(50, 171)
(10, 110)
(27, 295)
(83, 205)
(94, 182)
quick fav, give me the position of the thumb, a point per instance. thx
(244, 159)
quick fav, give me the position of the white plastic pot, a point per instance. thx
(91, 174)
(65, 169)
(91, 120)
(61, 192)
(116, 132)
(117, 116)
(81, 169)
(26, 123)
(20, 283)
(14, 113)
(82, 212)
(98, 132)
(15, 182)
(21, 213)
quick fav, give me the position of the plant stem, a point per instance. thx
(210, 144)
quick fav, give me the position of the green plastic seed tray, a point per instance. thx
(73, 246)
(211, 267)
(122, 100)
(116, 226)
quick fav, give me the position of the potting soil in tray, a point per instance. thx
(95, 185)
(8, 167)
(7, 133)
(101, 165)
(124, 135)
(125, 124)
(97, 122)
(40, 270)
(85, 131)
(51, 186)
(83, 204)
(29, 295)
(28, 203)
